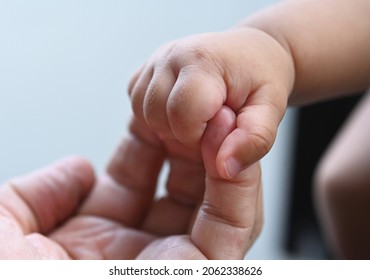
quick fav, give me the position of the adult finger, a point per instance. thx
(126, 192)
(41, 200)
(185, 188)
(225, 225)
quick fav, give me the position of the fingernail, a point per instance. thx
(232, 167)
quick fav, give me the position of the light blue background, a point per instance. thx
(64, 69)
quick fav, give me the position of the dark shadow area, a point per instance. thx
(317, 125)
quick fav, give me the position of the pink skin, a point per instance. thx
(64, 212)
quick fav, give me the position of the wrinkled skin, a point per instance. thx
(65, 211)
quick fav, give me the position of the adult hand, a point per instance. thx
(62, 212)
(202, 216)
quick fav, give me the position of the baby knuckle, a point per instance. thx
(136, 105)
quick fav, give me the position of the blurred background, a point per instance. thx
(64, 70)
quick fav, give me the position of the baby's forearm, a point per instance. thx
(329, 41)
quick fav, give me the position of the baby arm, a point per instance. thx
(329, 42)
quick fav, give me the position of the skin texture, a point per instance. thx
(64, 212)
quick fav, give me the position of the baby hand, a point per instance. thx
(185, 84)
